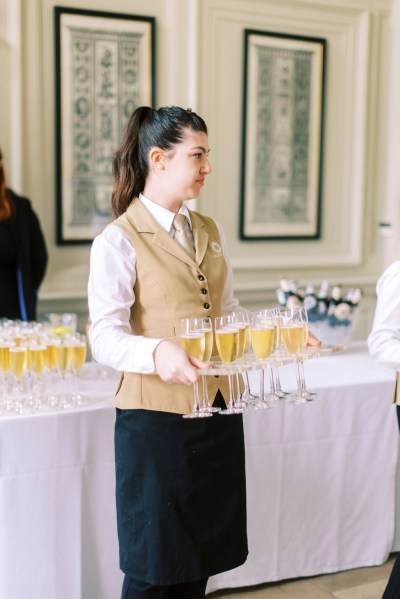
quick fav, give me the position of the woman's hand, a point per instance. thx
(312, 340)
(175, 365)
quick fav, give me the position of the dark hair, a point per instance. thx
(147, 128)
(6, 209)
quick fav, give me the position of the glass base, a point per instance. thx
(297, 399)
(197, 415)
(282, 394)
(262, 405)
(229, 411)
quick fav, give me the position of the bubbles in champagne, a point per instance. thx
(194, 344)
(227, 341)
(263, 341)
(293, 338)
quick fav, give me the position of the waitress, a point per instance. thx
(180, 483)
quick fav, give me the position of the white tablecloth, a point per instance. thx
(320, 478)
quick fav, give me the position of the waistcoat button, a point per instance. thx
(203, 291)
(206, 306)
(200, 277)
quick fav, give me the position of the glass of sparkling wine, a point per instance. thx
(18, 356)
(37, 364)
(50, 342)
(263, 339)
(78, 357)
(278, 345)
(193, 341)
(293, 335)
(241, 318)
(309, 395)
(4, 371)
(227, 342)
(207, 328)
(63, 354)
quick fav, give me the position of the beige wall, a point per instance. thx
(199, 64)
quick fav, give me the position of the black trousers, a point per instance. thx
(392, 590)
(137, 589)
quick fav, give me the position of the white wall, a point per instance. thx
(199, 64)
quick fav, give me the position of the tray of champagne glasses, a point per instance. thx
(263, 342)
(280, 357)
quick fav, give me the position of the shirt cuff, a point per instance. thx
(145, 347)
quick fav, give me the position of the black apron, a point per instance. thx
(180, 494)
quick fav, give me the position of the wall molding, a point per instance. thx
(348, 31)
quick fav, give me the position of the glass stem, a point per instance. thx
(75, 395)
(231, 402)
(247, 381)
(272, 388)
(196, 406)
(206, 401)
(303, 378)
(299, 379)
(239, 395)
(262, 396)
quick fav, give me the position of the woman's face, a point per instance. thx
(186, 166)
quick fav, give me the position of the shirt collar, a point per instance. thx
(163, 216)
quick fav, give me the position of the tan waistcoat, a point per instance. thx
(170, 286)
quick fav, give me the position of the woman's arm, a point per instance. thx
(111, 295)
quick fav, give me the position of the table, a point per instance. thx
(321, 476)
(320, 485)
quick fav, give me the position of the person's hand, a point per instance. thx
(312, 340)
(175, 365)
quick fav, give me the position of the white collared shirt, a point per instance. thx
(384, 338)
(111, 295)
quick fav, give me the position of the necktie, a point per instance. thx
(181, 234)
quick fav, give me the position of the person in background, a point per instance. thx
(384, 347)
(23, 254)
(180, 483)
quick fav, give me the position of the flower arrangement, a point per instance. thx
(331, 311)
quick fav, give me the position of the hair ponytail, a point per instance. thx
(129, 169)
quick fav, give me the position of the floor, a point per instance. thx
(363, 583)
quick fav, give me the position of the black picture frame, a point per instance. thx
(282, 136)
(105, 66)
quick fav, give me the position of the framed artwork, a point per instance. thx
(105, 69)
(282, 136)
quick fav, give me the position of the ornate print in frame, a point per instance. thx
(283, 106)
(105, 68)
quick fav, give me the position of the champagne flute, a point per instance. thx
(37, 364)
(18, 356)
(309, 395)
(78, 357)
(4, 370)
(50, 342)
(242, 320)
(293, 337)
(278, 388)
(263, 335)
(227, 342)
(63, 353)
(206, 326)
(193, 341)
